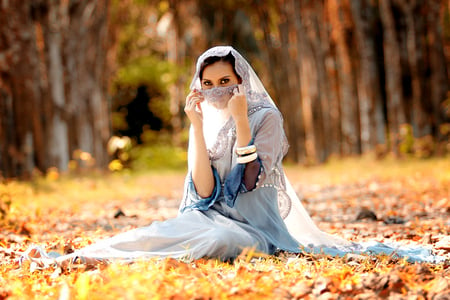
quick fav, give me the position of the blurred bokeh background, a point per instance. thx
(101, 84)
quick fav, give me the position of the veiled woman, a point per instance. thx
(236, 194)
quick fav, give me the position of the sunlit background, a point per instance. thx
(101, 84)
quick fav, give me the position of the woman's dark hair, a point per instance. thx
(229, 58)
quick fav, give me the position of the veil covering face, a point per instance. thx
(297, 220)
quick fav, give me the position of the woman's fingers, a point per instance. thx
(239, 96)
(193, 104)
(240, 89)
(238, 104)
(192, 108)
(193, 99)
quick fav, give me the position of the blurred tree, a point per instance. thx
(139, 116)
(366, 69)
(52, 84)
(275, 23)
(393, 70)
(370, 92)
(157, 44)
(341, 34)
(150, 52)
(349, 76)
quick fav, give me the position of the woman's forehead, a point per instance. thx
(218, 70)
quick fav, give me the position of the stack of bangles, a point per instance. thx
(246, 154)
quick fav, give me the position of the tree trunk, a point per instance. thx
(53, 84)
(58, 141)
(175, 54)
(312, 80)
(291, 86)
(350, 125)
(393, 74)
(369, 87)
(415, 51)
(439, 76)
(20, 91)
(333, 105)
(280, 82)
(326, 107)
(308, 81)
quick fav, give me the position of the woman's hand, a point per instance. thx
(193, 109)
(238, 110)
(238, 106)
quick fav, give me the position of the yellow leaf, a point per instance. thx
(83, 285)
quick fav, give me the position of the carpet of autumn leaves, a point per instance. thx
(361, 200)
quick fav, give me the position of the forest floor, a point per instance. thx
(410, 199)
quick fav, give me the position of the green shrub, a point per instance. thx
(157, 157)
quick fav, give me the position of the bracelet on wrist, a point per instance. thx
(246, 150)
(247, 158)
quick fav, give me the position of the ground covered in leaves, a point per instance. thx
(360, 200)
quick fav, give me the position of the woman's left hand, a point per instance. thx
(238, 105)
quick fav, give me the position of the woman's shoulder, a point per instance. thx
(265, 111)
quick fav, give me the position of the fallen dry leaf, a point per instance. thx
(408, 208)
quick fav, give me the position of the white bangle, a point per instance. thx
(246, 150)
(247, 158)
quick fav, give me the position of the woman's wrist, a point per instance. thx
(241, 121)
(243, 132)
(197, 127)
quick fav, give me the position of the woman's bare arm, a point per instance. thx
(238, 109)
(202, 174)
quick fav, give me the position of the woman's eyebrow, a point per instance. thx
(223, 77)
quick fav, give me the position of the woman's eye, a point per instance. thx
(224, 81)
(207, 83)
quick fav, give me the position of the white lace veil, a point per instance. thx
(299, 223)
(213, 118)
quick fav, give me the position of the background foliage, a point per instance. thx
(350, 77)
(328, 66)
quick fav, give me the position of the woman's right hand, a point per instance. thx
(193, 109)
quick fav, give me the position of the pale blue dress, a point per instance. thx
(210, 227)
(233, 218)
